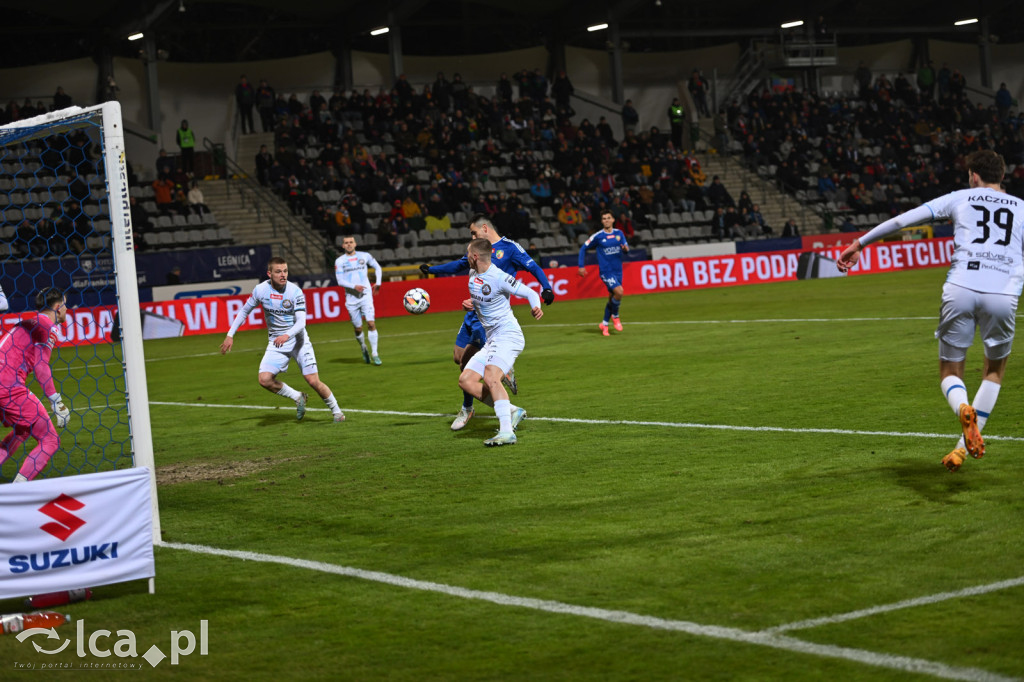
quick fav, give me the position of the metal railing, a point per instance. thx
(296, 241)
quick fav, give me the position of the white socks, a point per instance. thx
(956, 393)
(984, 402)
(372, 334)
(503, 409)
(289, 392)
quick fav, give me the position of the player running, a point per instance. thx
(351, 270)
(27, 348)
(284, 309)
(489, 292)
(610, 244)
(509, 257)
(981, 289)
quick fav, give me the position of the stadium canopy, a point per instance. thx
(215, 31)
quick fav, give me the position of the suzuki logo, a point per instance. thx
(58, 510)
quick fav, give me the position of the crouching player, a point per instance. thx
(27, 348)
(489, 292)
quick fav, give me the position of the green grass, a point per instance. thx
(708, 516)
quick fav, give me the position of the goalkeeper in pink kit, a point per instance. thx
(27, 348)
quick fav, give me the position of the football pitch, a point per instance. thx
(744, 484)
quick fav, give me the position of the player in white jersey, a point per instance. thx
(489, 292)
(351, 270)
(981, 289)
(284, 310)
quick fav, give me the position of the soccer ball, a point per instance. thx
(416, 301)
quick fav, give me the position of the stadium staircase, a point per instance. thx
(776, 206)
(256, 216)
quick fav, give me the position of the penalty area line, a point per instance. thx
(881, 660)
(612, 422)
(905, 604)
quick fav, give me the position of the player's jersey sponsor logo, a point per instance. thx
(974, 265)
(477, 280)
(276, 297)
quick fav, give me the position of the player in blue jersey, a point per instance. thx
(509, 257)
(610, 244)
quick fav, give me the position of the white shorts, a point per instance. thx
(501, 350)
(359, 308)
(276, 360)
(963, 311)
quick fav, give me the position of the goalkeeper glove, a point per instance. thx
(425, 269)
(60, 410)
(548, 296)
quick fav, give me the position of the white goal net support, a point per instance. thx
(66, 223)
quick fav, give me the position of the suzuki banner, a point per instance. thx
(213, 315)
(74, 532)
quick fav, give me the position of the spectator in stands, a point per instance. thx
(630, 117)
(698, 87)
(196, 200)
(165, 165)
(540, 190)
(245, 98)
(1004, 100)
(569, 219)
(562, 89)
(265, 98)
(140, 216)
(676, 119)
(413, 214)
(721, 133)
(957, 85)
(401, 233)
(441, 91)
(533, 252)
(186, 139)
(926, 80)
(862, 76)
(718, 195)
(755, 218)
(173, 277)
(942, 79)
(25, 241)
(790, 229)
(163, 193)
(61, 100)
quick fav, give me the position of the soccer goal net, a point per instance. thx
(64, 199)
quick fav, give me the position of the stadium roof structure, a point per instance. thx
(217, 31)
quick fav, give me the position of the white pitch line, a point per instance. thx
(892, 662)
(885, 608)
(545, 325)
(614, 422)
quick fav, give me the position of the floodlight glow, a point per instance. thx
(793, 24)
(964, 22)
(135, 36)
(379, 31)
(597, 27)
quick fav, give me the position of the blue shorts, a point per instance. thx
(612, 281)
(471, 332)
